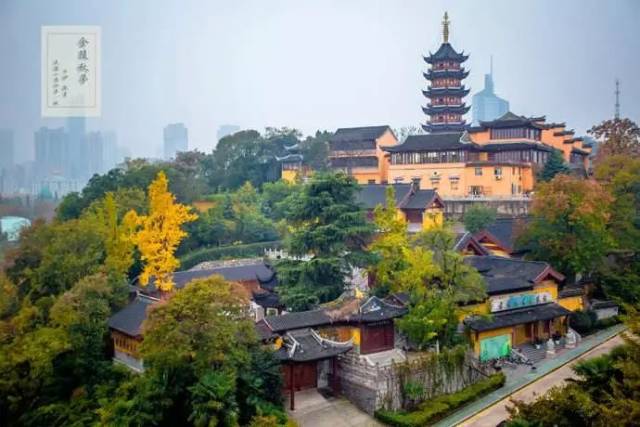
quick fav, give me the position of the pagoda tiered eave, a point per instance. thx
(444, 109)
(445, 127)
(460, 73)
(460, 91)
(446, 52)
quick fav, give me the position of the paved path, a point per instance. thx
(491, 409)
(314, 410)
(493, 415)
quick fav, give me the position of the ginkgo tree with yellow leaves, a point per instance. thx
(426, 268)
(159, 233)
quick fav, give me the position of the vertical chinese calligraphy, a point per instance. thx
(83, 69)
(70, 71)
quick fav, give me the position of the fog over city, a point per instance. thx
(319, 65)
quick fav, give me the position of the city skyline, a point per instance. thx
(201, 67)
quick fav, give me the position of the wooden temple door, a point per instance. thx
(377, 338)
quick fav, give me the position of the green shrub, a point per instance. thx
(584, 322)
(607, 323)
(226, 252)
(441, 406)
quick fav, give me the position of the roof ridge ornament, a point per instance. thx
(465, 138)
(445, 28)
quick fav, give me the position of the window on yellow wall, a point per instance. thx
(478, 171)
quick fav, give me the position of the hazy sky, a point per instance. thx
(321, 64)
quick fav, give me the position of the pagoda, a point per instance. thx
(446, 91)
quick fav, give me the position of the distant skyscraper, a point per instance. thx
(486, 105)
(95, 148)
(78, 159)
(52, 152)
(110, 155)
(6, 149)
(176, 139)
(225, 130)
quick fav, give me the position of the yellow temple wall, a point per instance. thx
(481, 137)
(547, 286)
(572, 303)
(469, 310)
(364, 176)
(519, 175)
(491, 185)
(426, 171)
(495, 250)
(547, 137)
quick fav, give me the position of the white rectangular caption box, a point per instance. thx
(70, 67)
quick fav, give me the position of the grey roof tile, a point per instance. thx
(503, 275)
(517, 316)
(306, 345)
(129, 319)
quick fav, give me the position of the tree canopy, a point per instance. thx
(569, 225)
(555, 165)
(617, 137)
(329, 235)
(160, 233)
(478, 217)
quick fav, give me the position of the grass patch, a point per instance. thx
(438, 408)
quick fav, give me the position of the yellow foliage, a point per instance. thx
(160, 233)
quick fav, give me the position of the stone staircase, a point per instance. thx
(532, 353)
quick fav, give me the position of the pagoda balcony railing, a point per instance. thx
(445, 69)
(443, 87)
(430, 105)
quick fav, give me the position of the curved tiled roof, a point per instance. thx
(504, 232)
(364, 133)
(504, 275)
(517, 316)
(372, 310)
(445, 51)
(129, 319)
(307, 345)
(509, 119)
(237, 273)
(431, 142)
(406, 196)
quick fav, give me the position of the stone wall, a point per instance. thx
(372, 387)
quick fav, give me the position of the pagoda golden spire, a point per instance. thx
(445, 28)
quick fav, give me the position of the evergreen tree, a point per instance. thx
(478, 217)
(330, 231)
(555, 165)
